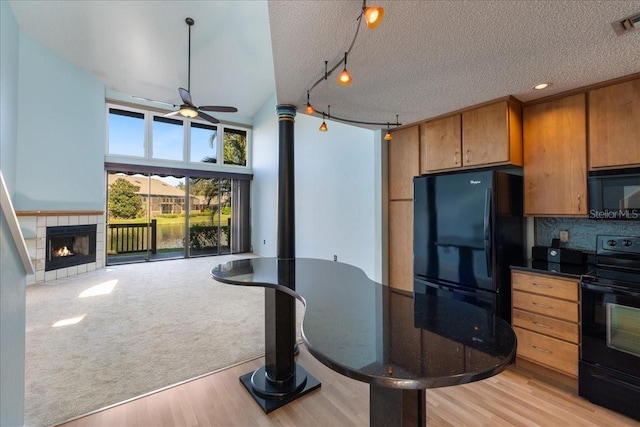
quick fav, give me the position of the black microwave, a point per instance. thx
(614, 194)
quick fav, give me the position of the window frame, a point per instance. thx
(185, 163)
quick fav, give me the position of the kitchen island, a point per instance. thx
(398, 344)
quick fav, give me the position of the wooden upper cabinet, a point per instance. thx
(492, 134)
(555, 157)
(403, 162)
(440, 144)
(614, 125)
(483, 136)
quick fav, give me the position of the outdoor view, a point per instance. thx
(160, 216)
(148, 217)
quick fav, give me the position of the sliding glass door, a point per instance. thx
(210, 216)
(145, 217)
(154, 215)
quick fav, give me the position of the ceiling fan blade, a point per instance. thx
(173, 113)
(185, 95)
(152, 100)
(208, 118)
(219, 109)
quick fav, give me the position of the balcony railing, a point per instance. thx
(128, 238)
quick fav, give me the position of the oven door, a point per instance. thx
(611, 327)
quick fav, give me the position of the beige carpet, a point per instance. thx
(138, 328)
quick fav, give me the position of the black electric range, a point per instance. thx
(609, 367)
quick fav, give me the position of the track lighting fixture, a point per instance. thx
(345, 78)
(372, 16)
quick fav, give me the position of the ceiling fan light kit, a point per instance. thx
(188, 109)
(372, 16)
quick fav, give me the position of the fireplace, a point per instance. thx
(70, 245)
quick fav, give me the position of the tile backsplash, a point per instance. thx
(582, 231)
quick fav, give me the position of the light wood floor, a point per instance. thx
(512, 398)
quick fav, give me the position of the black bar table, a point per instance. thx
(398, 343)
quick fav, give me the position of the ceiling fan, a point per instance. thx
(188, 109)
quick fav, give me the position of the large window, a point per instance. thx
(149, 135)
(175, 189)
(235, 147)
(167, 139)
(126, 133)
(204, 143)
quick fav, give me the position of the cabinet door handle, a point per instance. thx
(543, 350)
(579, 204)
(542, 325)
(537, 304)
(467, 157)
(540, 285)
(455, 157)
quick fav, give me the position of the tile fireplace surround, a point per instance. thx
(34, 229)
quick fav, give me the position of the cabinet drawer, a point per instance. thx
(559, 309)
(546, 325)
(545, 285)
(556, 354)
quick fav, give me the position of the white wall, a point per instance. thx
(9, 41)
(61, 134)
(335, 193)
(264, 187)
(12, 276)
(337, 175)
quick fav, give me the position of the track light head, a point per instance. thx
(323, 126)
(387, 136)
(373, 16)
(344, 78)
(310, 109)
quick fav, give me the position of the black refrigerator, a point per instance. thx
(468, 230)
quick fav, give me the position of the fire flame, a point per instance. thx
(63, 251)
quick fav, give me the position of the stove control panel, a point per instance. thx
(618, 244)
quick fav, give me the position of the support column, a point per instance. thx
(286, 187)
(280, 380)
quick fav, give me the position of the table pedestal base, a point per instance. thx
(393, 407)
(271, 396)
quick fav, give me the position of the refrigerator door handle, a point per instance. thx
(487, 230)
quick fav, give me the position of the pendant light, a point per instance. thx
(345, 78)
(323, 126)
(373, 15)
(309, 109)
(388, 136)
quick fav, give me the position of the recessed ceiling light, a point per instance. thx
(541, 86)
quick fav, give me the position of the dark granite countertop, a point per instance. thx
(371, 333)
(573, 271)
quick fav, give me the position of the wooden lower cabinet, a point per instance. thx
(556, 354)
(401, 245)
(545, 318)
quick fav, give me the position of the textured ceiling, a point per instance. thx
(425, 59)
(428, 58)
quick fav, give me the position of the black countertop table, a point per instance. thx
(367, 331)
